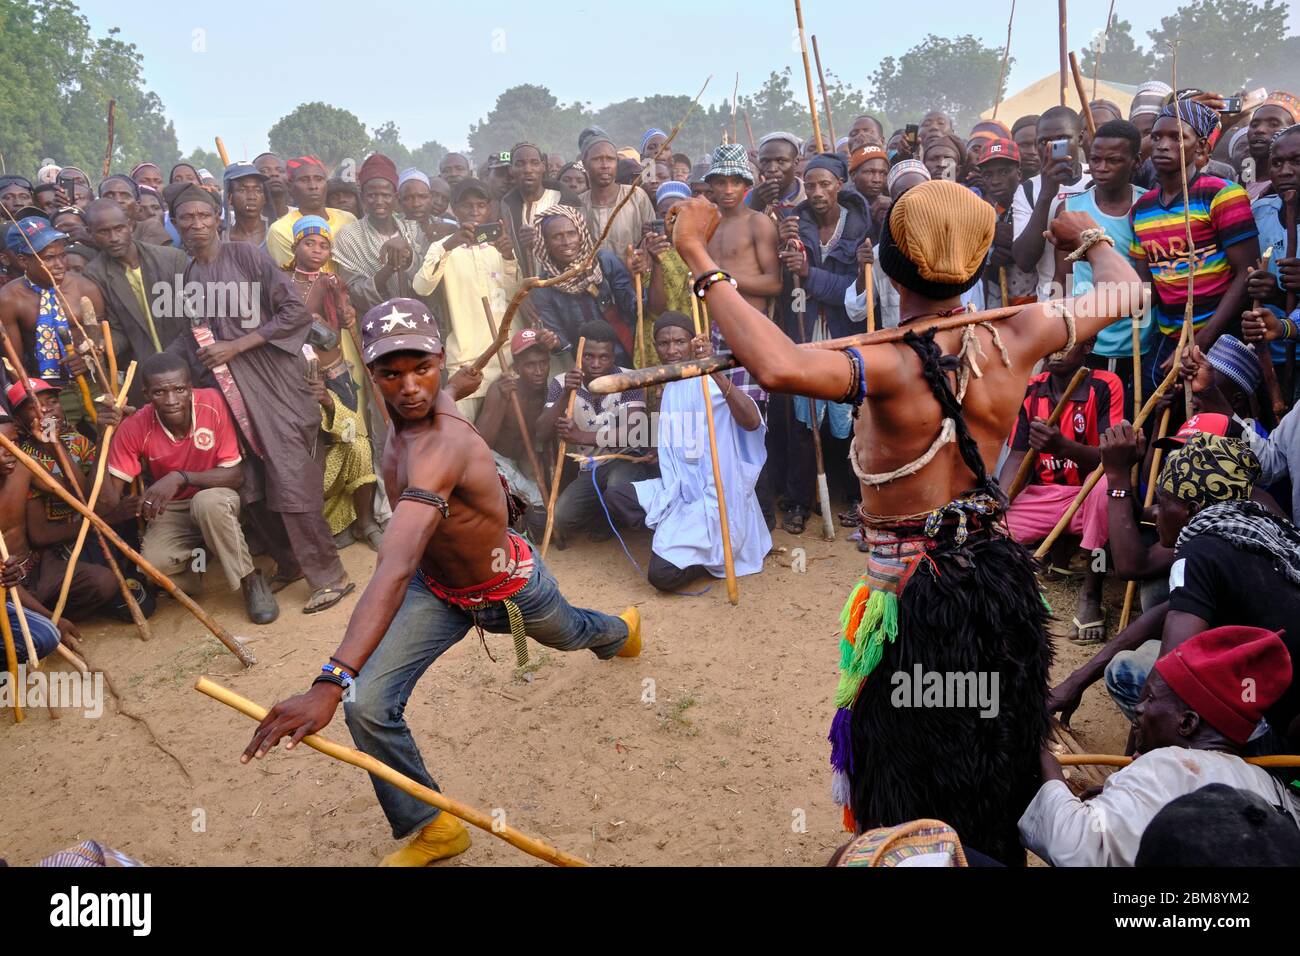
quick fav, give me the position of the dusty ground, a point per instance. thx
(718, 769)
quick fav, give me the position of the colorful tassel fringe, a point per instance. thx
(868, 620)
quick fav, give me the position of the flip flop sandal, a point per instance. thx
(1079, 628)
(848, 519)
(794, 523)
(279, 582)
(335, 594)
(372, 535)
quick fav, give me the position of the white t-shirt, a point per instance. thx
(1021, 212)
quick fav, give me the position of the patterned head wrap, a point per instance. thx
(901, 169)
(649, 135)
(311, 226)
(412, 174)
(1203, 120)
(1288, 102)
(293, 165)
(1209, 469)
(546, 266)
(1149, 99)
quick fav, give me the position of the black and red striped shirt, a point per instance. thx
(1083, 420)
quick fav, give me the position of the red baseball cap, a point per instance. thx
(17, 394)
(1209, 672)
(999, 148)
(523, 340)
(1211, 423)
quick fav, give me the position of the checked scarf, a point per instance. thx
(546, 266)
(1248, 526)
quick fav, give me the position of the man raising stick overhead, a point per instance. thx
(448, 563)
(931, 513)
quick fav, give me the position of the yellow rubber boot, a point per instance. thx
(444, 837)
(632, 618)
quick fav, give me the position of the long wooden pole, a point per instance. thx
(11, 654)
(1105, 37)
(1002, 73)
(868, 286)
(826, 93)
(729, 564)
(1189, 331)
(110, 354)
(221, 151)
(692, 368)
(92, 500)
(641, 356)
(11, 595)
(1084, 107)
(382, 771)
(823, 490)
(1112, 760)
(559, 457)
(1027, 465)
(234, 645)
(1095, 477)
(1064, 44)
(108, 150)
(807, 75)
(749, 130)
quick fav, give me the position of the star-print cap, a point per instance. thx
(398, 325)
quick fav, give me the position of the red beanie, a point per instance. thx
(1230, 676)
(377, 166)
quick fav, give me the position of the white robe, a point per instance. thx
(681, 505)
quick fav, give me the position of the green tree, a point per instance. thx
(327, 132)
(55, 84)
(532, 113)
(847, 104)
(775, 108)
(387, 139)
(958, 76)
(1122, 60)
(204, 159)
(428, 156)
(1224, 45)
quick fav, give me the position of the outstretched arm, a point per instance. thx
(760, 345)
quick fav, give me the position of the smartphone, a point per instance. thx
(69, 186)
(1231, 104)
(1060, 149)
(910, 134)
(487, 232)
(658, 227)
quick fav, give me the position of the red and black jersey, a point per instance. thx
(1082, 421)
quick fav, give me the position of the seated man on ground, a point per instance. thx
(1234, 562)
(51, 526)
(530, 351)
(1192, 700)
(599, 425)
(681, 505)
(1065, 454)
(185, 438)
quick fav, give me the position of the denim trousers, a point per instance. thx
(423, 629)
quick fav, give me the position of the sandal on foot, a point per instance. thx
(848, 519)
(1079, 629)
(279, 581)
(332, 595)
(372, 535)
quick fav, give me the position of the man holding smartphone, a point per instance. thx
(467, 270)
(1036, 201)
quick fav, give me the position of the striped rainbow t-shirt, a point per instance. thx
(1220, 216)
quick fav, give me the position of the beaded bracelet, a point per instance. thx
(333, 674)
(1288, 329)
(705, 282)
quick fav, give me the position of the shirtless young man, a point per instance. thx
(745, 242)
(30, 309)
(440, 573)
(969, 603)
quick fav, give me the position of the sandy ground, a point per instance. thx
(708, 749)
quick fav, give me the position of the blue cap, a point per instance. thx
(31, 233)
(672, 189)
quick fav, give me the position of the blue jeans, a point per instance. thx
(1126, 675)
(45, 635)
(423, 629)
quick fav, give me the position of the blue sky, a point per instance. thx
(434, 69)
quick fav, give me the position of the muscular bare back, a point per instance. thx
(446, 456)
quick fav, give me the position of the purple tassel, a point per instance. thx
(841, 741)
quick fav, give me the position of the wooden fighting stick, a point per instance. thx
(1189, 331)
(221, 151)
(826, 96)
(559, 457)
(69, 470)
(87, 403)
(807, 74)
(868, 288)
(1085, 107)
(640, 320)
(108, 149)
(749, 130)
(11, 595)
(11, 655)
(381, 771)
(92, 500)
(1095, 477)
(1031, 456)
(1002, 73)
(693, 368)
(1264, 352)
(729, 564)
(1112, 760)
(823, 490)
(1101, 48)
(232, 644)
(1063, 32)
